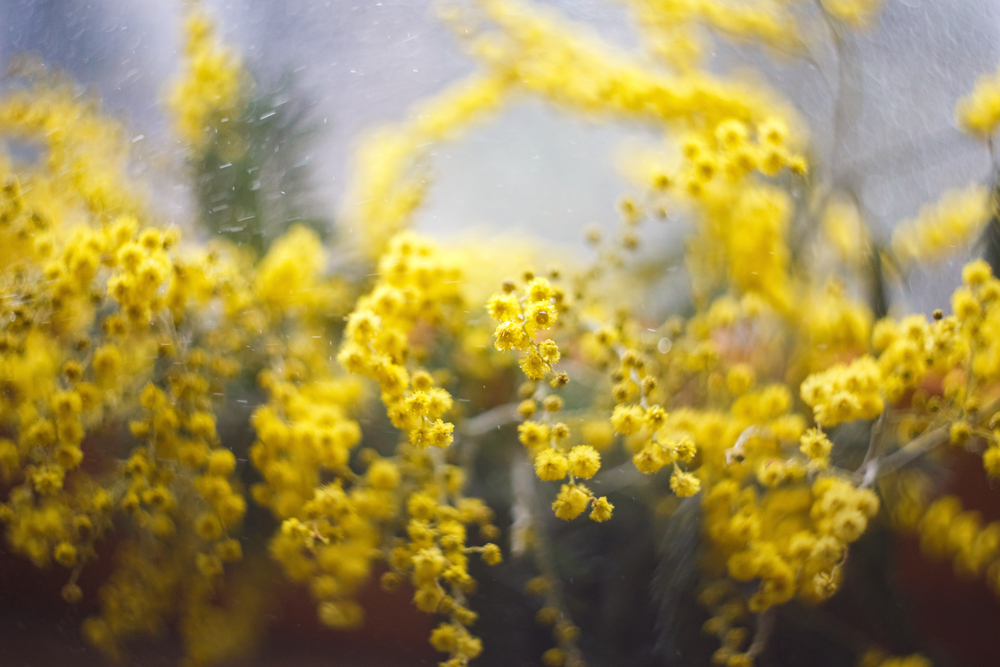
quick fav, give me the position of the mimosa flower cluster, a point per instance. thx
(129, 348)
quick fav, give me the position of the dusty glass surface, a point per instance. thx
(246, 418)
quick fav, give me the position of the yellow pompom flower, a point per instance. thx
(601, 510)
(550, 465)
(684, 484)
(571, 501)
(584, 461)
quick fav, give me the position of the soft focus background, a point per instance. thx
(530, 171)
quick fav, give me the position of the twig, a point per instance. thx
(619, 477)
(874, 443)
(735, 453)
(522, 481)
(490, 420)
(841, 105)
(532, 506)
(916, 448)
(765, 628)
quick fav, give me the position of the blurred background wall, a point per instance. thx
(361, 63)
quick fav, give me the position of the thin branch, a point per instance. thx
(867, 474)
(875, 442)
(522, 488)
(765, 628)
(735, 453)
(533, 508)
(618, 478)
(490, 420)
